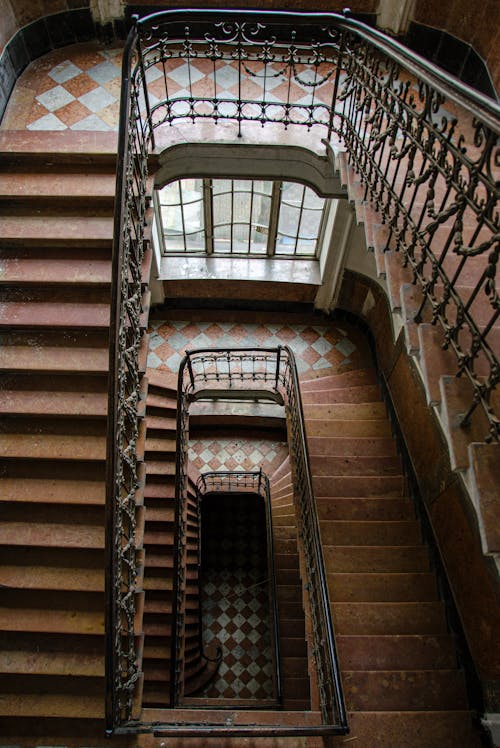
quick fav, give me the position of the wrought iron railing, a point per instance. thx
(424, 146)
(267, 373)
(252, 482)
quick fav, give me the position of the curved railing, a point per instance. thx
(425, 147)
(250, 482)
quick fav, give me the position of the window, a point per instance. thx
(240, 217)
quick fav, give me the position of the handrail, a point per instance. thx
(252, 482)
(266, 369)
(425, 147)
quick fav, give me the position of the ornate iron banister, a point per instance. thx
(266, 369)
(252, 482)
(424, 145)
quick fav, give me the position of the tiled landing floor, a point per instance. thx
(235, 596)
(320, 349)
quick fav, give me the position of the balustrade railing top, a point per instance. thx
(424, 145)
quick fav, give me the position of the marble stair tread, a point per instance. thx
(54, 359)
(359, 532)
(56, 705)
(50, 578)
(377, 427)
(83, 621)
(40, 314)
(415, 729)
(380, 587)
(35, 662)
(345, 411)
(396, 652)
(381, 559)
(59, 186)
(52, 491)
(364, 509)
(358, 465)
(362, 486)
(354, 378)
(53, 403)
(366, 393)
(342, 446)
(51, 231)
(405, 690)
(53, 446)
(368, 618)
(54, 535)
(81, 272)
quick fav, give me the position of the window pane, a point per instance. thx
(169, 195)
(240, 238)
(222, 239)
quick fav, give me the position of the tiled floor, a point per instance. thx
(319, 349)
(235, 596)
(76, 88)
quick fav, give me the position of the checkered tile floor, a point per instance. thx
(235, 596)
(237, 454)
(78, 88)
(318, 349)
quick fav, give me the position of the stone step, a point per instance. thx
(38, 314)
(382, 652)
(58, 705)
(36, 662)
(406, 690)
(54, 231)
(352, 378)
(416, 729)
(52, 535)
(50, 578)
(371, 559)
(50, 403)
(338, 411)
(53, 447)
(56, 491)
(354, 465)
(368, 393)
(389, 618)
(373, 508)
(50, 272)
(60, 190)
(351, 446)
(380, 587)
(364, 485)
(341, 533)
(348, 428)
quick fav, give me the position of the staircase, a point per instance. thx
(291, 623)
(401, 680)
(159, 503)
(448, 396)
(56, 227)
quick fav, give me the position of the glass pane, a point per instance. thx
(222, 239)
(171, 216)
(309, 224)
(221, 185)
(292, 194)
(169, 195)
(222, 209)
(312, 200)
(191, 190)
(242, 202)
(242, 185)
(289, 220)
(240, 238)
(195, 242)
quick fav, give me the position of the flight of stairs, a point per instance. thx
(56, 228)
(291, 621)
(449, 397)
(402, 684)
(159, 503)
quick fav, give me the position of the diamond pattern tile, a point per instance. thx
(235, 596)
